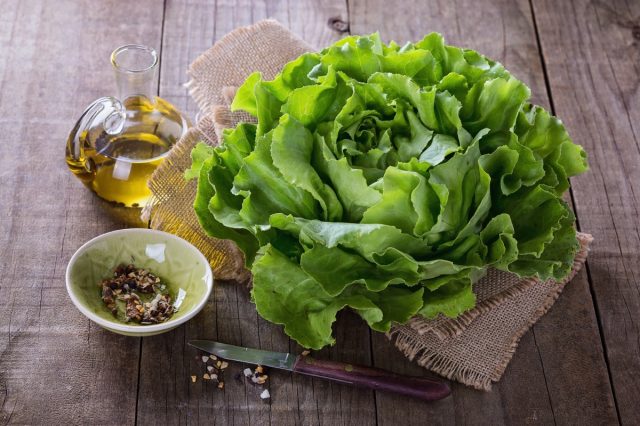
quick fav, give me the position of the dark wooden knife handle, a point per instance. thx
(373, 378)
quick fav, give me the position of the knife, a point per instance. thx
(423, 388)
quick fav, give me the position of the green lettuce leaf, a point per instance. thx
(285, 294)
(199, 154)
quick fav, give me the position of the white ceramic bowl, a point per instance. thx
(185, 270)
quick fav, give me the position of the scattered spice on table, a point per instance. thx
(214, 368)
(257, 375)
(135, 294)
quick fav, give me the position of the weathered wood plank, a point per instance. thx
(55, 366)
(188, 31)
(591, 53)
(230, 316)
(505, 31)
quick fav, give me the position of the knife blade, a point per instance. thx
(280, 360)
(424, 388)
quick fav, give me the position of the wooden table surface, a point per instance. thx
(579, 365)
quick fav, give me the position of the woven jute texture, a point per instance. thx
(473, 349)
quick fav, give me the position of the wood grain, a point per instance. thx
(55, 366)
(591, 50)
(58, 368)
(505, 31)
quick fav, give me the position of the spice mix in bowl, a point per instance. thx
(139, 282)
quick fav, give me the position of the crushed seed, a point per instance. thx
(256, 376)
(126, 286)
(213, 372)
(305, 353)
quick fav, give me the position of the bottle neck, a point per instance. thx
(136, 84)
(135, 71)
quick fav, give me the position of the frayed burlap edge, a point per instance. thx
(447, 367)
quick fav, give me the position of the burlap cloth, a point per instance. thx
(473, 349)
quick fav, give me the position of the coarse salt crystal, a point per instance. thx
(205, 358)
(247, 372)
(265, 394)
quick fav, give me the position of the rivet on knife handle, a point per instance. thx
(373, 378)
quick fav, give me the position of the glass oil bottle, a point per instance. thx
(117, 143)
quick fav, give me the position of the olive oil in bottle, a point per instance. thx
(117, 167)
(117, 144)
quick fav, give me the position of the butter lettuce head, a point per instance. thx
(387, 179)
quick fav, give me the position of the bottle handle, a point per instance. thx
(106, 114)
